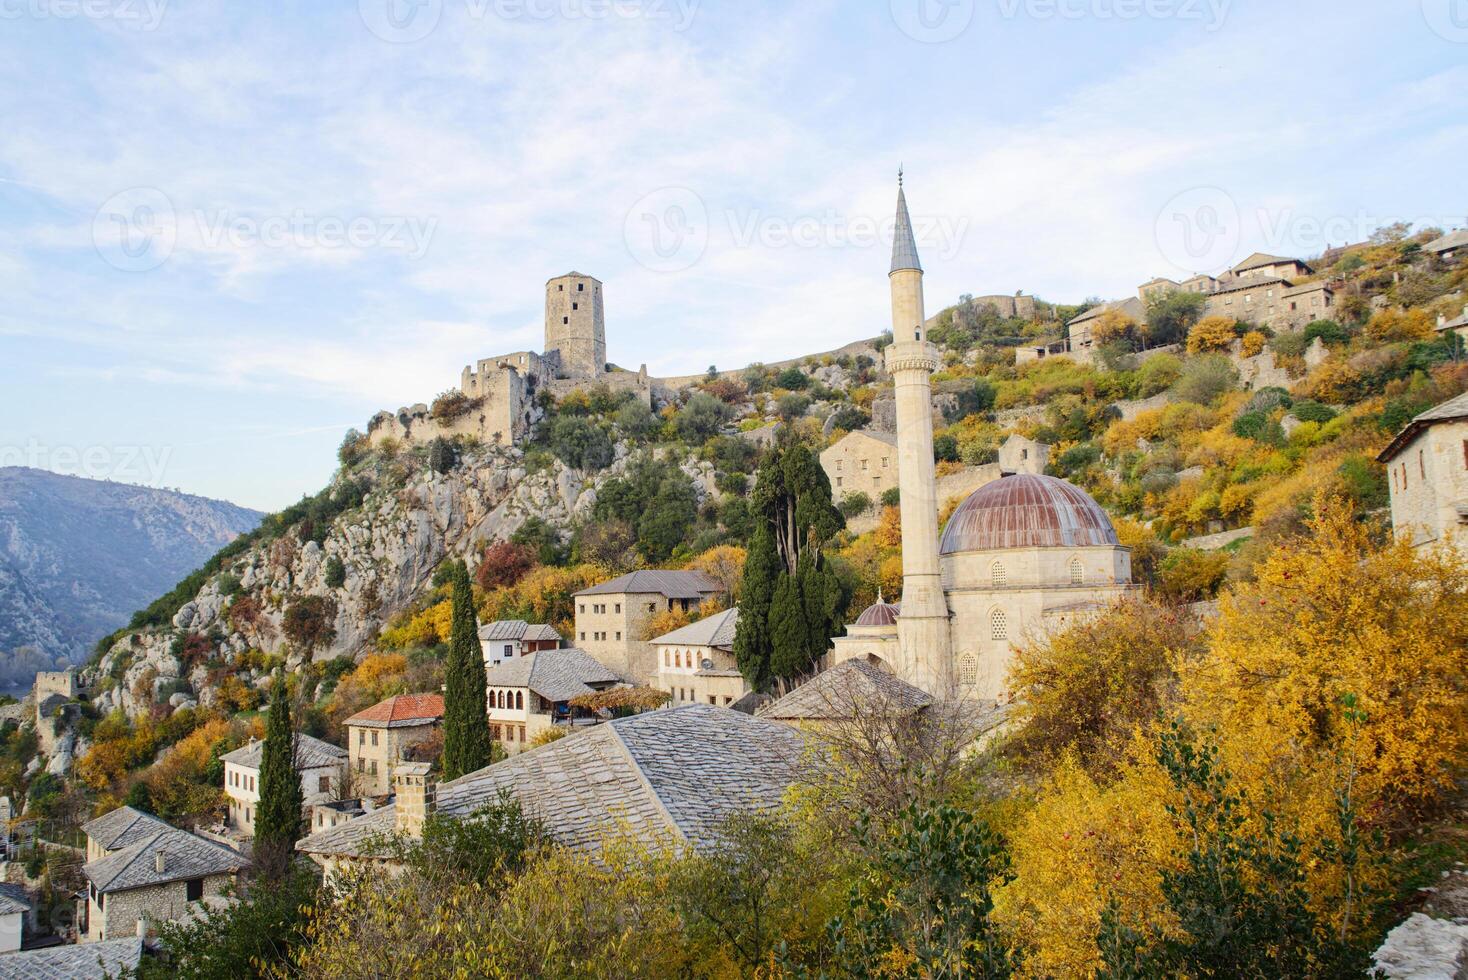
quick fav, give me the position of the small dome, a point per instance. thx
(879, 613)
(1028, 511)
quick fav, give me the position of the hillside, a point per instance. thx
(78, 556)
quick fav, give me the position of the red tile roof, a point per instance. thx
(403, 710)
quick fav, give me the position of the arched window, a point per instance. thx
(997, 575)
(519, 700)
(1077, 572)
(500, 699)
(968, 669)
(667, 659)
(998, 625)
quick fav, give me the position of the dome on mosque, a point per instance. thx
(1028, 511)
(879, 613)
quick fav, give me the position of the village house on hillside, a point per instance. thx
(510, 638)
(153, 880)
(17, 915)
(383, 735)
(696, 663)
(322, 768)
(864, 461)
(672, 776)
(612, 618)
(531, 694)
(1427, 473)
(118, 829)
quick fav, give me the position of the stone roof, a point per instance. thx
(84, 961)
(672, 584)
(843, 690)
(1308, 287)
(675, 773)
(311, 753)
(402, 711)
(1259, 259)
(13, 899)
(1452, 410)
(517, 629)
(1452, 240)
(887, 438)
(711, 631)
(556, 675)
(1027, 511)
(904, 247)
(1249, 282)
(122, 827)
(186, 855)
(1131, 306)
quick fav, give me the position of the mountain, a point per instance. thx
(78, 556)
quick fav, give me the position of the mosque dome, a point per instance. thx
(1027, 511)
(879, 613)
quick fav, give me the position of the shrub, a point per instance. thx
(1328, 331)
(354, 448)
(1253, 344)
(1312, 411)
(850, 418)
(854, 504)
(1211, 334)
(310, 623)
(504, 564)
(892, 497)
(1259, 427)
(1267, 398)
(945, 448)
(793, 379)
(1191, 575)
(1158, 373)
(702, 418)
(581, 443)
(792, 406)
(1205, 378)
(443, 457)
(450, 406)
(335, 573)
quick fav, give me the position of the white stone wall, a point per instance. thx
(860, 463)
(373, 752)
(12, 927)
(681, 674)
(1429, 482)
(613, 630)
(242, 786)
(118, 915)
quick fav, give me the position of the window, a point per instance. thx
(374, 739)
(1421, 464)
(713, 700)
(520, 701)
(361, 763)
(998, 577)
(617, 608)
(361, 736)
(565, 319)
(968, 669)
(581, 607)
(667, 658)
(494, 732)
(886, 461)
(509, 649)
(863, 465)
(1465, 454)
(372, 767)
(998, 625)
(581, 287)
(575, 306)
(728, 700)
(1077, 572)
(838, 481)
(561, 288)
(619, 634)
(323, 784)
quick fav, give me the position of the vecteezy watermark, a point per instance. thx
(932, 21)
(138, 229)
(143, 465)
(669, 230)
(1201, 230)
(1210, 13)
(408, 21)
(1448, 19)
(143, 15)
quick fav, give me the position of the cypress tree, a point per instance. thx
(465, 711)
(789, 632)
(757, 589)
(278, 815)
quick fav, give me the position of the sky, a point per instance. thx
(230, 232)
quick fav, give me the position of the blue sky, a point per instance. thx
(228, 232)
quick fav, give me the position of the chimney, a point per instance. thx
(160, 861)
(415, 797)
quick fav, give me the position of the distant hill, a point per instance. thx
(78, 556)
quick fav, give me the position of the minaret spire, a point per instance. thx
(925, 641)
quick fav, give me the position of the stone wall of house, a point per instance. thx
(118, 916)
(860, 463)
(1428, 479)
(370, 765)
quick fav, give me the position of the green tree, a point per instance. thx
(465, 713)
(335, 573)
(278, 814)
(752, 644)
(665, 523)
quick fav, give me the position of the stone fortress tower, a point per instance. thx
(575, 327)
(923, 625)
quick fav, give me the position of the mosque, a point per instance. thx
(1022, 556)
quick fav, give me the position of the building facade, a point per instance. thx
(511, 638)
(160, 878)
(864, 461)
(384, 735)
(531, 694)
(321, 766)
(1427, 472)
(612, 619)
(696, 663)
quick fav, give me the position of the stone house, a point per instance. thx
(612, 618)
(381, 736)
(1270, 301)
(156, 879)
(668, 778)
(1449, 247)
(118, 829)
(696, 663)
(1427, 472)
(511, 638)
(16, 915)
(1081, 343)
(530, 694)
(1270, 266)
(864, 461)
(1458, 325)
(322, 768)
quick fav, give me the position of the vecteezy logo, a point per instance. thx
(401, 21)
(1198, 230)
(932, 21)
(136, 229)
(1448, 19)
(667, 230)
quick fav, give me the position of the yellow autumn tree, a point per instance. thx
(1212, 333)
(1114, 325)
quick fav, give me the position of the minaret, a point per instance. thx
(923, 626)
